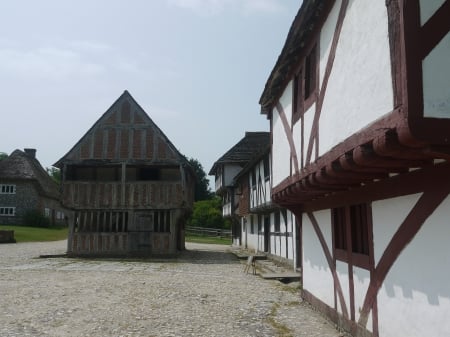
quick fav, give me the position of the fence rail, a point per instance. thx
(202, 231)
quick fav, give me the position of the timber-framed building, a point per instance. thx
(130, 188)
(359, 111)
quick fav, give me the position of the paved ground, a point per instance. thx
(201, 293)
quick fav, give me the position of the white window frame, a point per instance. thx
(7, 211)
(7, 189)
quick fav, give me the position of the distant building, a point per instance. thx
(26, 187)
(130, 188)
(227, 167)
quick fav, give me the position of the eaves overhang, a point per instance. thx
(370, 156)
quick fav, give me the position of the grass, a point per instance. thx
(36, 234)
(208, 239)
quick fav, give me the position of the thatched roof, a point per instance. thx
(24, 166)
(245, 150)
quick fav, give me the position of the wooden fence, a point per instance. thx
(202, 231)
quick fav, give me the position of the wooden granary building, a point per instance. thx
(130, 188)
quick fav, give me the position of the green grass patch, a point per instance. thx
(35, 234)
(208, 239)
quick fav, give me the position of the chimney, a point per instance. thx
(30, 152)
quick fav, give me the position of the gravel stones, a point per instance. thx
(203, 292)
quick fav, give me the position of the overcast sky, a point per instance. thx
(197, 67)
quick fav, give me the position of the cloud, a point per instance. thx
(214, 7)
(45, 63)
(63, 61)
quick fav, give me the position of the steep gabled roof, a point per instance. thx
(244, 151)
(109, 138)
(22, 166)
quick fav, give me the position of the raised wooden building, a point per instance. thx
(130, 188)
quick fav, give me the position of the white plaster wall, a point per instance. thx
(342, 272)
(359, 89)
(280, 148)
(417, 285)
(317, 278)
(436, 81)
(326, 37)
(361, 280)
(230, 171)
(387, 216)
(428, 8)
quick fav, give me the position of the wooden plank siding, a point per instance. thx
(139, 195)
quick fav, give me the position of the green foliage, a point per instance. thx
(35, 218)
(54, 173)
(202, 190)
(208, 213)
(3, 155)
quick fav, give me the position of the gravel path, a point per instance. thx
(201, 293)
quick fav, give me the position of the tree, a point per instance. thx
(55, 174)
(202, 190)
(3, 155)
(208, 213)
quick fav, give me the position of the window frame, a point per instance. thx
(7, 211)
(306, 77)
(7, 189)
(352, 234)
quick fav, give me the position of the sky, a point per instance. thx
(197, 67)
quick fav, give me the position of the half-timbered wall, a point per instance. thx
(405, 262)
(356, 92)
(363, 160)
(259, 182)
(416, 286)
(359, 88)
(279, 239)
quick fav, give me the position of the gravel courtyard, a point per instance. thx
(203, 292)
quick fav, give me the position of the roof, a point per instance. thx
(107, 120)
(245, 150)
(23, 166)
(251, 164)
(307, 20)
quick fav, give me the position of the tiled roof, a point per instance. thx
(245, 150)
(22, 166)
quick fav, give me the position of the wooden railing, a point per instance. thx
(202, 231)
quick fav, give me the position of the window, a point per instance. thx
(47, 212)
(277, 222)
(252, 225)
(310, 73)
(7, 189)
(253, 179)
(7, 211)
(161, 221)
(351, 226)
(266, 168)
(305, 84)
